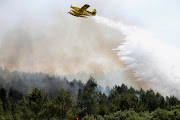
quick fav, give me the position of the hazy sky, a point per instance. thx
(161, 17)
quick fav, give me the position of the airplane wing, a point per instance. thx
(75, 8)
(84, 8)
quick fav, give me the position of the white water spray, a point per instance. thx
(125, 29)
(147, 57)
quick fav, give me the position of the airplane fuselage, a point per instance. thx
(82, 12)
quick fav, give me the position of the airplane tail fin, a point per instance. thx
(94, 12)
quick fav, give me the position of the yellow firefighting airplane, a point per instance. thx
(82, 12)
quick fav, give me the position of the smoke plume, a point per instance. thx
(39, 36)
(44, 38)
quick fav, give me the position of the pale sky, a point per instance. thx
(161, 17)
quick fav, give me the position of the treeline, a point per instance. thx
(120, 103)
(24, 82)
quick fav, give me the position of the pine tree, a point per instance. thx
(63, 104)
(80, 99)
(1, 110)
(103, 109)
(3, 96)
(37, 101)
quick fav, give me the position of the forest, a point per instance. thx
(38, 96)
